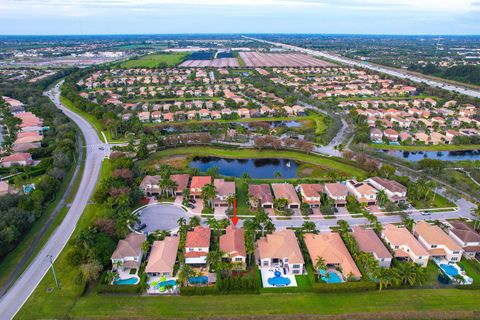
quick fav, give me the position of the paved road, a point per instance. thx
(385, 70)
(18, 294)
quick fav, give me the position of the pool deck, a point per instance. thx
(156, 291)
(268, 273)
(466, 278)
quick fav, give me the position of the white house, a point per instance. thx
(197, 246)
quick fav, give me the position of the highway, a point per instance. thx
(385, 70)
(18, 294)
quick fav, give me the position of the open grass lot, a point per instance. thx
(438, 147)
(154, 60)
(330, 163)
(96, 123)
(439, 202)
(137, 307)
(55, 304)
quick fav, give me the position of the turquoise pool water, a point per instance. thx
(332, 277)
(198, 280)
(166, 283)
(126, 281)
(449, 269)
(278, 280)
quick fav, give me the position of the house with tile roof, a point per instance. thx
(232, 243)
(280, 249)
(260, 195)
(197, 246)
(369, 242)
(128, 254)
(225, 190)
(311, 193)
(363, 192)
(163, 256)
(404, 245)
(331, 248)
(466, 237)
(338, 193)
(437, 242)
(395, 191)
(286, 191)
(182, 182)
(197, 184)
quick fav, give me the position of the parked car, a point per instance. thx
(191, 206)
(141, 227)
(192, 201)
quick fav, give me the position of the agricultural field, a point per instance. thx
(155, 60)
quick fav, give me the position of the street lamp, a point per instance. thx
(53, 269)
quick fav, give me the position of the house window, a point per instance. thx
(265, 263)
(396, 247)
(433, 246)
(296, 266)
(454, 259)
(296, 272)
(285, 260)
(456, 252)
(238, 259)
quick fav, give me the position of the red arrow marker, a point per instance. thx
(234, 218)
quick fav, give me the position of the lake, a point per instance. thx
(272, 124)
(440, 155)
(256, 168)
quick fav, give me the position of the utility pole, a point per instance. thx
(53, 269)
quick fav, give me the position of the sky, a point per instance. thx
(51, 17)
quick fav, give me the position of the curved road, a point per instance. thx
(18, 294)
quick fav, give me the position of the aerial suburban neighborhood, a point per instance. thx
(208, 174)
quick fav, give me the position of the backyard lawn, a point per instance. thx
(472, 268)
(439, 202)
(93, 306)
(154, 60)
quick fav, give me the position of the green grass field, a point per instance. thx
(330, 163)
(154, 60)
(136, 307)
(438, 147)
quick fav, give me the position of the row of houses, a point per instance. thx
(206, 114)
(281, 249)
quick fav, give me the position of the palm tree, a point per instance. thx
(384, 277)
(382, 197)
(230, 200)
(165, 171)
(194, 222)
(182, 222)
(213, 171)
(246, 176)
(309, 226)
(208, 193)
(171, 187)
(320, 264)
(280, 204)
(476, 214)
(214, 259)
(185, 273)
(263, 222)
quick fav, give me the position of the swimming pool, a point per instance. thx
(132, 280)
(166, 283)
(198, 280)
(278, 280)
(330, 277)
(449, 269)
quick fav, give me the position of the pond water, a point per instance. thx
(272, 124)
(256, 168)
(440, 155)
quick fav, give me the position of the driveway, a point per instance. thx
(162, 217)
